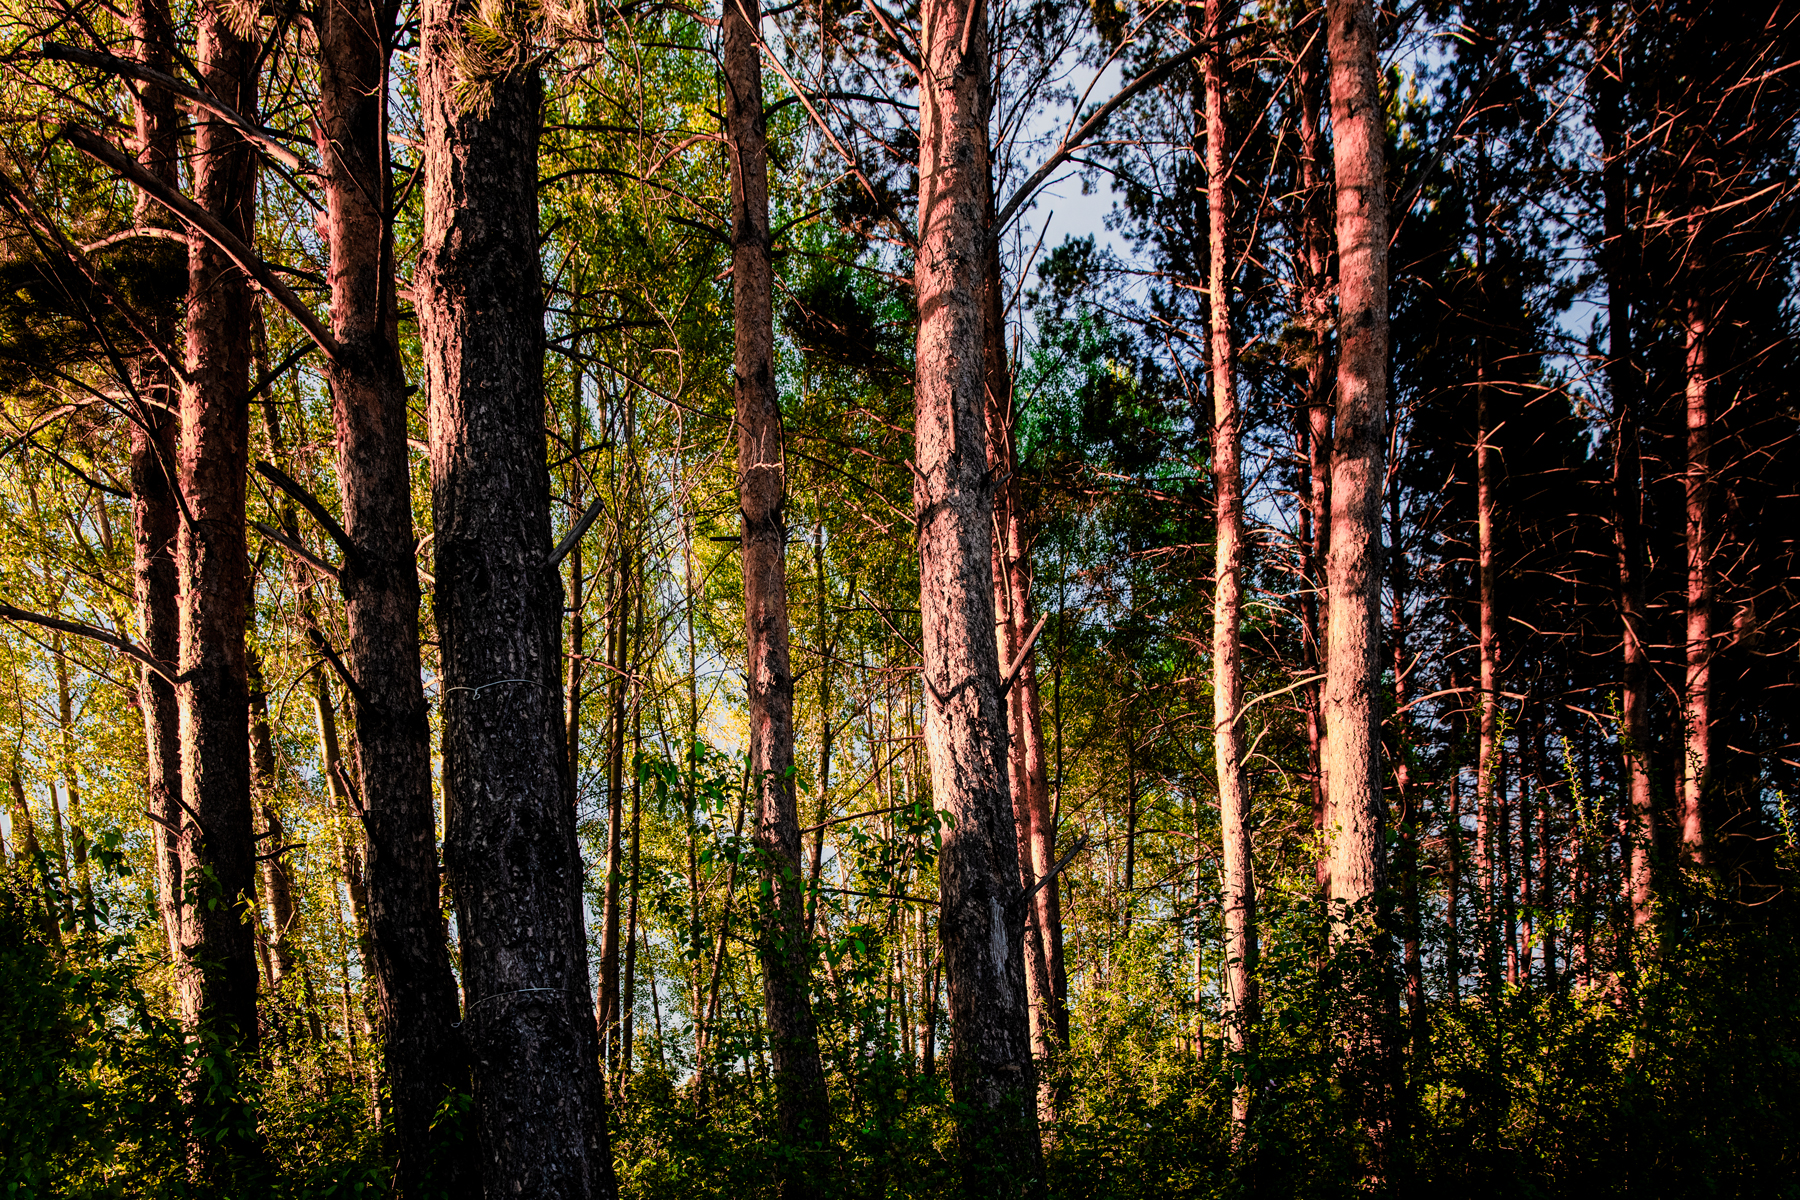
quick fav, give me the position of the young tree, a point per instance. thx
(1239, 898)
(801, 1109)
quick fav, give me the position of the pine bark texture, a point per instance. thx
(799, 1076)
(154, 471)
(1352, 702)
(510, 848)
(216, 968)
(1314, 434)
(981, 921)
(415, 990)
(1238, 868)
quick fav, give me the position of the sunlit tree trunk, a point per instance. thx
(215, 970)
(1238, 868)
(1627, 486)
(1353, 704)
(510, 847)
(1697, 691)
(982, 920)
(154, 512)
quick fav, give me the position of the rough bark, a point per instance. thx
(215, 967)
(154, 514)
(1697, 689)
(1353, 708)
(1238, 870)
(799, 1077)
(415, 991)
(1627, 490)
(510, 847)
(982, 922)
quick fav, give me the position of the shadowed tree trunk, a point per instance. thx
(510, 848)
(1238, 869)
(1315, 425)
(154, 513)
(982, 921)
(415, 990)
(215, 969)
(1353, 707)
(1627, 485)
(799, 1077)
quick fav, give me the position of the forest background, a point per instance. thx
(1579, 970)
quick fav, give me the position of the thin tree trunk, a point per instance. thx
(1627, 487)
(1453, 893)
(1315, 432)
(25, 845)
(608, 1009)
(1697, 686)
(1353, 708)
(154, 513)
(965, 717)
(1407, 818)
(1242, 1002)
(628, 991)
(65, 727)
(800, 1100)
(1495, 904)
(216, 972)
(511, 845)
(277, 880)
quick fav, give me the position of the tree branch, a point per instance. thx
(102, 151)
(92, 633)
(304, 499)
(297, 550)
(264, 138)
(1018, 662)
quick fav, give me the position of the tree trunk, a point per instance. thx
(800, 1100)
(1698, 688)
(1407, 819)
(1033, 828)
(1314, 262)
(1627, 489)
(277, 880)
(415, 990)
(1488, 689)
(78, 834)
(965, 717)
(216, 972)
(1242, 1004)
(154, 513)
(510, 845)
(607, 1010)
(1353, 706)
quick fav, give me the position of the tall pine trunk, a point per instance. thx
(1239, 872)
(1627, 483)
(982, 919)
(1353, 704)
(154, 470)
(1313, 259)
(799, 1076)
(415, 990)
(216, 969)
(510, 847)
